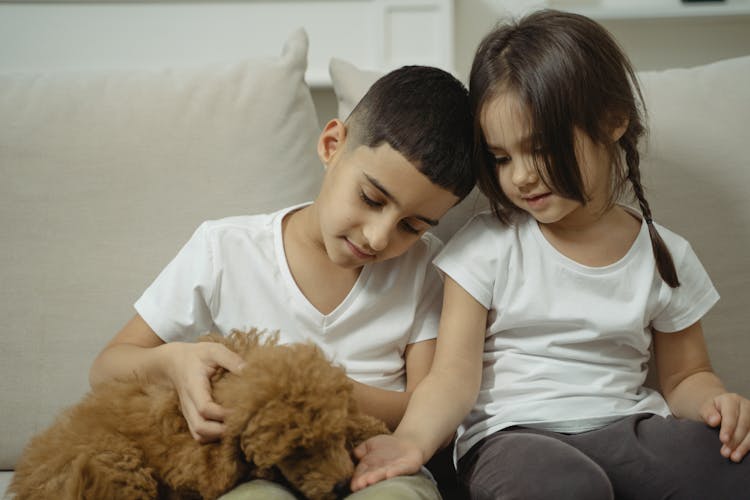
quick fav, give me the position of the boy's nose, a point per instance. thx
(377, 233)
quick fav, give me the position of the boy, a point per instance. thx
(350, 271)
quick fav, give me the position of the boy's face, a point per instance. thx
(374, 204)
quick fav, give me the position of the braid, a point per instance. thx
(664, 262)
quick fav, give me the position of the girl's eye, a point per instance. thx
(502, 160)
(369, 201)
(409, 228)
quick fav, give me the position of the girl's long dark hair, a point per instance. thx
(570, 74)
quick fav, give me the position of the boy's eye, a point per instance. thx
(409, 228)
(369, 201)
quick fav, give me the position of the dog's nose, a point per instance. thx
(341, 490)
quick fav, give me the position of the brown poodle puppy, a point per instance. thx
(294, 420)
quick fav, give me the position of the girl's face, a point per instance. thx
(374, 204)
(506, 128)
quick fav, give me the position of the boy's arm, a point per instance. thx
(389, 406)
(442, 399)
(136, 351)
(694, 391)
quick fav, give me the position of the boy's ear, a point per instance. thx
(331, 140)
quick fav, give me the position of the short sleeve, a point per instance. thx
(429, 296)
(176, 304)
(690, 301)
(470, 259)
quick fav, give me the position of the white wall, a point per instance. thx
(656, 33)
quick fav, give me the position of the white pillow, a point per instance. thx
(104, 176)
(350, 84)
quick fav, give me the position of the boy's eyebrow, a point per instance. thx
(387, 194)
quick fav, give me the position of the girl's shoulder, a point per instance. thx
(485, 225)
(676, 243)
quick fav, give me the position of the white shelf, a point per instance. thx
(655, 10)
(123, 34)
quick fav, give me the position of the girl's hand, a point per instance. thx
(190, 369)
(383, 457)
(732, 411)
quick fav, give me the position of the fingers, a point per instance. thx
(227, 359)
(361, 450)
(205, 420)
(729, 410)
(710, 414)
(735, 426)
(203, 415)
(365, 476)
(741, 450)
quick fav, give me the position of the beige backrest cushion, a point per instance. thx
(104, 177)
(697, 176)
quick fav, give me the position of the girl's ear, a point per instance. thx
(620, 129)
(331, 140)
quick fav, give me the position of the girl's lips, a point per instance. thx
(357, 252)
(537, 200)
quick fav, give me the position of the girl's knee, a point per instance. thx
(530, 466)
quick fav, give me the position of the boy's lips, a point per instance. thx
(357, 251)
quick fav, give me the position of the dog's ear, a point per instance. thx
(280, 429)
(270, 435)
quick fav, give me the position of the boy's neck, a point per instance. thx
(322, 282)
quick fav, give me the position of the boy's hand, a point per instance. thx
(192, 365)
(732, 411)
(383, 457)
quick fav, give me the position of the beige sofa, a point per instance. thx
(104, 175)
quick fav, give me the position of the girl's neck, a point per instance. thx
(594, 238)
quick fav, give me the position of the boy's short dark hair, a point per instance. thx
(423, 113)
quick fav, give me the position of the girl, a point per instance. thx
(552, 301)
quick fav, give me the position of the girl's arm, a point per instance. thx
(136, 351)
(440, 401)
(693, 390)
(389, 406)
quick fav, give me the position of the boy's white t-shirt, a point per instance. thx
(233, 274)
(567, 345)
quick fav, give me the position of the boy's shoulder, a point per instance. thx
(251, 224)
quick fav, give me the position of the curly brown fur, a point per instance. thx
(293, 415)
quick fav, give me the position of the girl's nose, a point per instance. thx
(524, 173)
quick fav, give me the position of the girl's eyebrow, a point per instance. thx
(387, 194)
(525, 141)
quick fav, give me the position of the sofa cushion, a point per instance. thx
(105, 176)
(696, 172)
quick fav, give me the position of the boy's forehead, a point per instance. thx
(395, 175)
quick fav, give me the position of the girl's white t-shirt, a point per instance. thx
(233, 274)
(567, 345)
